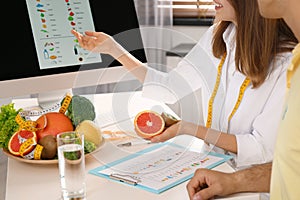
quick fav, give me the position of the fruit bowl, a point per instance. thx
(46, 162)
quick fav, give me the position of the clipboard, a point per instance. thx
(159, 167)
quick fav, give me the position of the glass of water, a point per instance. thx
(71, 162)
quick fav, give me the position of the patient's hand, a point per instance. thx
(205, 184)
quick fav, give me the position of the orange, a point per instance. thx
(148, 123)
(17, 139)
(53, 123)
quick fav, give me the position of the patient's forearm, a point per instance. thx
(254, 179)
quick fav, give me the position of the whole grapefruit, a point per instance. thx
(148, 123)
(53, 123)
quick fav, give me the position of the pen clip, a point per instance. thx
(124, 178)
(126, 144)
(134, 143)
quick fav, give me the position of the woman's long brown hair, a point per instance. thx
(258, 40)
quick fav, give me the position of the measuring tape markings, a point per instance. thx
(65, 104)
(26, 145)
(38, 152)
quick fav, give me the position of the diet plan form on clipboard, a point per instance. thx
(159, 167)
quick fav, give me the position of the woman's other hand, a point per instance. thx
(168, 133)
(180, 128)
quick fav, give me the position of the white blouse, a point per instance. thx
(256, 120)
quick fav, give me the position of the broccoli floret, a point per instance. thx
(72, 155)
(89, 146)
(80, 108)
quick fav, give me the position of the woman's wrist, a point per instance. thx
(118, 51)
(193, 129)
(211, 136)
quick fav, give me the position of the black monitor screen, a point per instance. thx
(42, 43)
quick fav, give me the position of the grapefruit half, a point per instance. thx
(18, 138)
(148, 123)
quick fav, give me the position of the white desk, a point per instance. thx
(34, 181)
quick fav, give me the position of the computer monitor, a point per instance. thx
(46, 57)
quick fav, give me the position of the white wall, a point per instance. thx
(184, 34)
(187, 34)
(188, 108)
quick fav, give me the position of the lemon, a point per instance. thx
(91, 131)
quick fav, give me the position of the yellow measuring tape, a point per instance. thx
(32, 125)
(38, 152)
(240, 97)
(26, 145)
(65, 104)
(213, 95)
(27, 125)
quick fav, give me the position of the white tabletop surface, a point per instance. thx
(28, 181)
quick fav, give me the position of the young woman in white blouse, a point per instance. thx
(240, 65)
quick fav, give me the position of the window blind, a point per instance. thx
(193, 8)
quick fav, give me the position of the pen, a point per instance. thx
(133, 143)
(123, 179)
